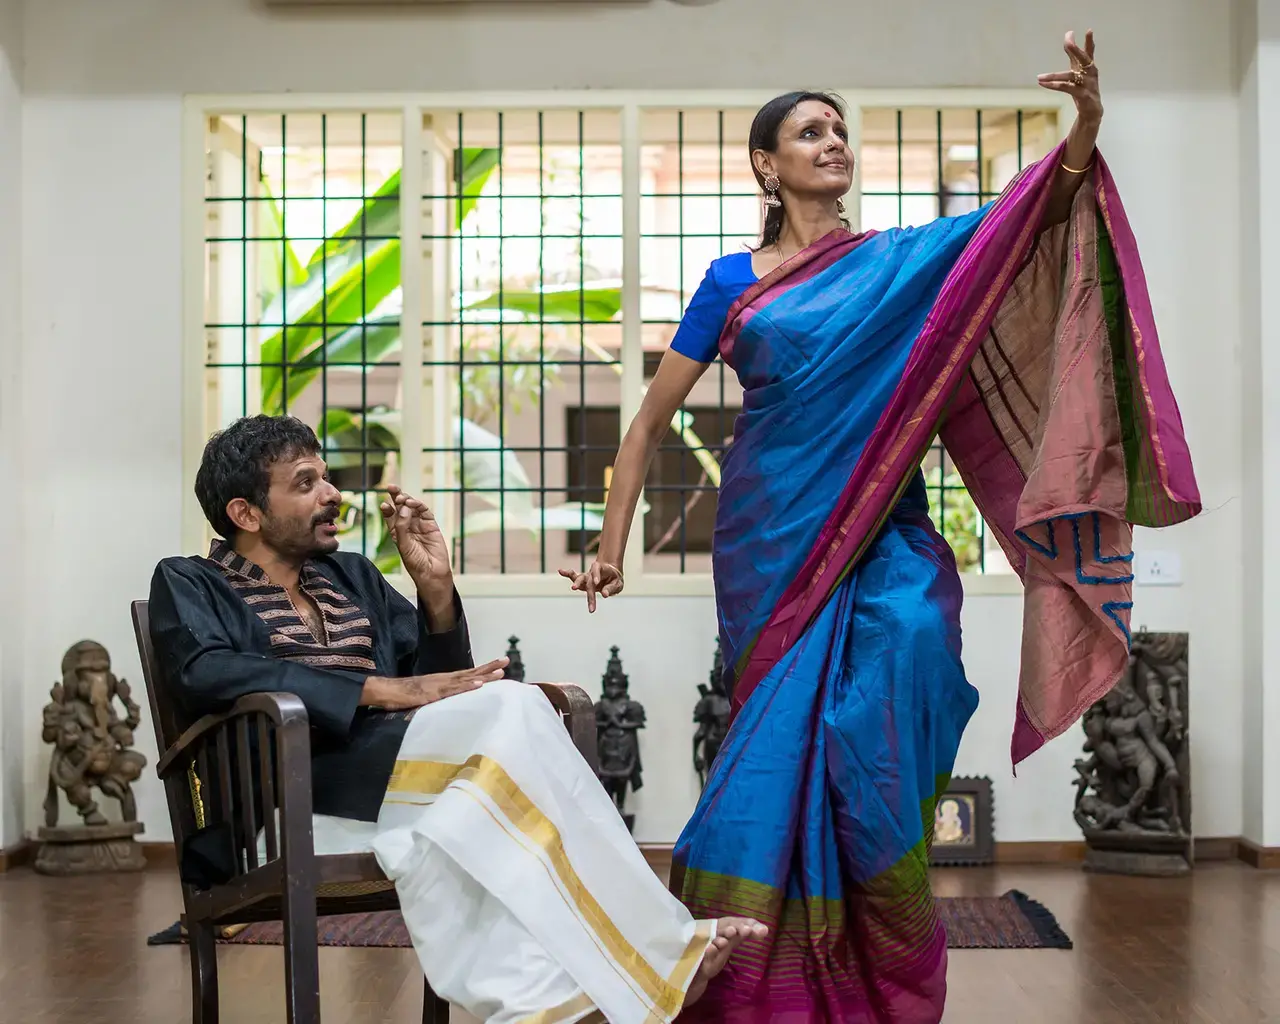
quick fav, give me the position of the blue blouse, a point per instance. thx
(698, 335)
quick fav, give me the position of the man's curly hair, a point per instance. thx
(237, 463)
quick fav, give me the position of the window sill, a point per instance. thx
(472, 585)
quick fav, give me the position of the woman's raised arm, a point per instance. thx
(1081, 84)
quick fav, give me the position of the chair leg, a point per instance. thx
(434, 1009)
(301, 954)
(203, 950)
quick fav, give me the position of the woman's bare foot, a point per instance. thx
(731, 932)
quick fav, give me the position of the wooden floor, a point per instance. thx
(1204, 950)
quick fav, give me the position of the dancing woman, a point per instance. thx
(1022, 332)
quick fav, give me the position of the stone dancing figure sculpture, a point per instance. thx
(1132, 798)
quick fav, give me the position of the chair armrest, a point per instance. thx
(578, 709)
(283, 709)
(249, 786)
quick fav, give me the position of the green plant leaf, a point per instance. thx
(597, 303)
(369, 342)
(471, 170)
(955, 516)
(334, 259)
(360, 289)
(348, 276)
(378, 218)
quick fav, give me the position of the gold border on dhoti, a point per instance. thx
(490, 778)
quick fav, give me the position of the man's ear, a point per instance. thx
(246, 516)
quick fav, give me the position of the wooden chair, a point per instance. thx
(293, 884)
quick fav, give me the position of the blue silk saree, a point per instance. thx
(1035, 355)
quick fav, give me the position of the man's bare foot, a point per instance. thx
(731, 932)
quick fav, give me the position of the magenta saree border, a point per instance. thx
(804, 266)
(951, 333)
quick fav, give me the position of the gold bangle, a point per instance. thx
(1072, 170)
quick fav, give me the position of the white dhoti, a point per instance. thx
(525, 896)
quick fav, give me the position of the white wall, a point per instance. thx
(102, 248)
(1258, 62)
(101, 387)
(134, 46)
(12, 724)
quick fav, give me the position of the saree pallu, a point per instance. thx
(1035, 355)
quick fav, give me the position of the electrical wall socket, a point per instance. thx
(1157, 568)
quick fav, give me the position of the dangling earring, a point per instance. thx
(840, 207)
(771, 186)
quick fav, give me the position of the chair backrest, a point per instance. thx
(169, 722)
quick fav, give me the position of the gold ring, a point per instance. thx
(1077, 76)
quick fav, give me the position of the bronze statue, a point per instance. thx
(1132, 795)
(711, 715)
(90, 740)
(618, 721)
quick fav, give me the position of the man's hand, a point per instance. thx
(424, 553)
(415, 691)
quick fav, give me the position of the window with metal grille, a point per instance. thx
(302, 290)
(680, 515)
(524, 241)
(554, 251)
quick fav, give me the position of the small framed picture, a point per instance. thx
(962, 824)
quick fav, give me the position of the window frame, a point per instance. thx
(420, 423)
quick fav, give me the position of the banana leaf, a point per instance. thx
(471, 170)
(362, 344)
(377, 338)
(347, 277)
(348, 254)
(378, 218)
(374, 225)
(362, 288)
(593, 302)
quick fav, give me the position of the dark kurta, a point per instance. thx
(214, 646)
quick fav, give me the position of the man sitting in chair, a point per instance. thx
(522, 890)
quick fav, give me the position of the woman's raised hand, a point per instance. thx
(603, 578)
(1081, 82)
